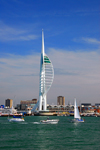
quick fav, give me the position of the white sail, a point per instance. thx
(76, 111)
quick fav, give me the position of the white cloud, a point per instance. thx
(87, 40)
(91, 40)
(77, 74)
(10, 34)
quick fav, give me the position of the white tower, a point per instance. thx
(46, 77)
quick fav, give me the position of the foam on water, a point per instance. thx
(36, 123)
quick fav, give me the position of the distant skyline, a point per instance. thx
(72, 42)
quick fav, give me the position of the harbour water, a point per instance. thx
(31, 135)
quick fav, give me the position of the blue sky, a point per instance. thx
(72, 42)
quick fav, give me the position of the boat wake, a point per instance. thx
(45, 123)
(36, 123)
(22, 122)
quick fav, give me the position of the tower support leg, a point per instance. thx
(45, 103)
(40, 103)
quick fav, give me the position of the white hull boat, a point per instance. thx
(77, 117)
(77, 120)
(48, 121)
(16, 120)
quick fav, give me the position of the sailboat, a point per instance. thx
(77, 117)
(16, 119)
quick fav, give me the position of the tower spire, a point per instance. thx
(42, 42)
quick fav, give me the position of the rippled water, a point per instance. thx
(31, 135)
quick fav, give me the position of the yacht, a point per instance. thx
(77, 117)
(49, 121)
(16, 119)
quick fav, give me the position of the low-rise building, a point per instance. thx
(97, 105)
(28, 102)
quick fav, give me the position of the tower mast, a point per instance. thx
(46, 78)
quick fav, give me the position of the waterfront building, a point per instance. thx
(87, 108)
(22, 107)
(7, 111)
(97, 104)
(28, 102)
(61, 110)
(61, 100)
(26, 106)
(60, 107)
(8, 103)
(86, 105)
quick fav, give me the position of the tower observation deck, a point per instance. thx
(46, 78)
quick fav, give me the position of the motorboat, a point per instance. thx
(16, 119)
(77, 117)
(49, 121)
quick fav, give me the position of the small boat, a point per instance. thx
(77, 117)
(16, 119)
(49, 121)
(77, 120)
